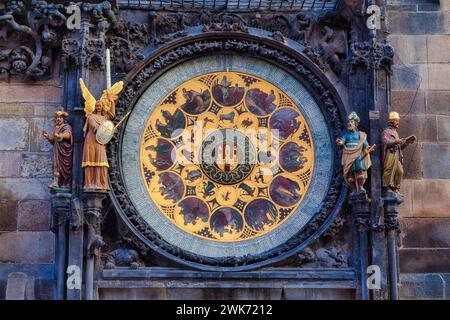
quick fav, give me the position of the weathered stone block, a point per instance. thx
(402, 22)
(412, 161)
(44, 274)
(408, 102)
(16, 286)
(431, 198)
(445, 5)
(421, 286)
(438, 102)
(436, 164)
(426, 232)
(36, 166)
(16, 109)
(424, 260)
(443, 128)
(409, 77)
(401, 7)
(37, 141)
(318, 294)
(409, 49)
(424, 7)
(406, 189)
(27, 247)
(424, 127)
(8, 215)
(30, 93)
(14, 133)
(24, 189)
(438, 76)
(446, 278)
(34, 215)
(10, 163)
(438, 48)
(47, 110)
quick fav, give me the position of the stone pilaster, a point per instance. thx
(392, 228)
(93, 209)
(93, 217)
(360, 206)
(61, 212)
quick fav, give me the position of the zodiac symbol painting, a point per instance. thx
(231, 157)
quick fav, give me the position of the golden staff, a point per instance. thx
(369, 150)
(121, 120)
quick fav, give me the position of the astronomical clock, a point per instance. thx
(226, 161)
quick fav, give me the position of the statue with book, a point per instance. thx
(392, 155)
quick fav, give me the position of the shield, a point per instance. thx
(105, 132)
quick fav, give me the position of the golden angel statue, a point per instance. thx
(98, 113)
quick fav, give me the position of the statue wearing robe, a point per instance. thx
(62, 141)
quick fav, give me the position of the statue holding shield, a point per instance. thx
(98, 131)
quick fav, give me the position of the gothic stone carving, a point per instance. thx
(122, 258)
(70, 53)
(331, 257)
(324, 35)
(372, 55)
(125, 40)
(392, 201)
(360, 205)
(27, 38)
(335, 227)
(318, 87)
(29, 33)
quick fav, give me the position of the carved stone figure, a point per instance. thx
(392, 156)
(62, 141)
(122, 258)
(356, 157)
(95, 162)
(333, 48)
(331, 257)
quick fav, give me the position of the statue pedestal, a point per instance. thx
(93, 210)
(61, 209)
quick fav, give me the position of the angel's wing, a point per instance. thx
(114, 92)
(89, 99)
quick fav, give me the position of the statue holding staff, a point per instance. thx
(62, 141)
(98, 117)
(356, 154)
(392, 156)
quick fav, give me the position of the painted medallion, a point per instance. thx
(227, 156)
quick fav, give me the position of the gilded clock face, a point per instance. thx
(227, 156)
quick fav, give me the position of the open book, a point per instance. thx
(410, 139)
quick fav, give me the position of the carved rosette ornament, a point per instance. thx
(211, 46)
